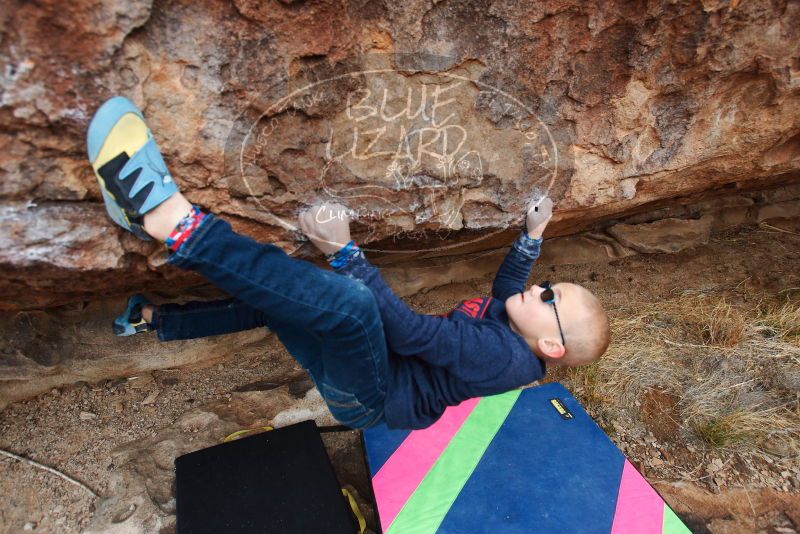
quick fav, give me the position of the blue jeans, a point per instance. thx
(329, 323)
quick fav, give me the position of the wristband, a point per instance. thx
(343, 255)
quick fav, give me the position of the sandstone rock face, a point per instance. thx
(666, 235)
(44, 349)
(459, 114)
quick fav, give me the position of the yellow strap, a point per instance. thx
(362, 523)
(238, 433)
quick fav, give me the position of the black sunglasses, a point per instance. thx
(549, 297)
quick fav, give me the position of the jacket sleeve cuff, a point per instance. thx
(350, 261)
(528, 246)
(342, 256)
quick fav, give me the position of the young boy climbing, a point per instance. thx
(371, 357)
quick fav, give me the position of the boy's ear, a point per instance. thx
(551, 348)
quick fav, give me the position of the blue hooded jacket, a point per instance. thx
(440, 361)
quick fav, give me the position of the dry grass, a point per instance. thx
(743, 426)
(721, 325)
(781, 322)
(734, 367)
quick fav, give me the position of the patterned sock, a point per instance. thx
(184, 228)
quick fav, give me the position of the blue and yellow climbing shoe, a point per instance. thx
(131, 321)
(132, 174)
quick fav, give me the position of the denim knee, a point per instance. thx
(361, 303)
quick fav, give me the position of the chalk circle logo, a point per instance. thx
(416, 146)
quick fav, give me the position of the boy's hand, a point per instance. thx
(327, 226)
(538, 217)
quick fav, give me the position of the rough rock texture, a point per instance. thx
(665, 235)
(43, 349)
(643, 103)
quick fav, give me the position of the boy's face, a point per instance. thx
(536, 320)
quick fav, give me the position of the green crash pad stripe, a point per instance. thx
(672, 524)
(430, 502)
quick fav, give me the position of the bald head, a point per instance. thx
(581, 316)
(585, 324)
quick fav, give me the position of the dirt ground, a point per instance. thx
(752, 486)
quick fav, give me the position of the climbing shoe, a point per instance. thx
(132, 174)
(131, 321)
